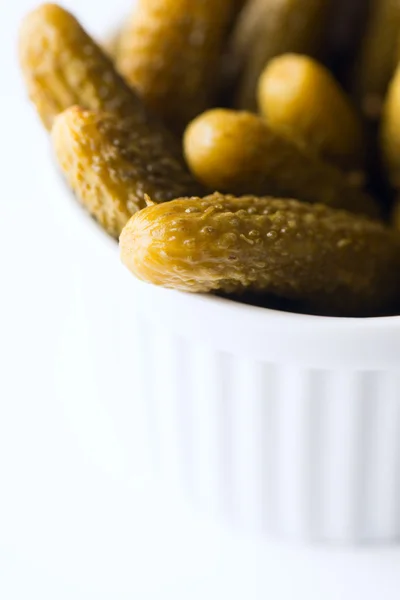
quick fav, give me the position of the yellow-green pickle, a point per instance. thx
(390, 131)
(169, 52)
(237, 152)
(111, 167)
(137, 135)
(299, 97)
(63, 67)
(268, 28)
(379, 55)
(332, 260)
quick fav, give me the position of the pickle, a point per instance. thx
(390, 131)
(111, 167)
(378, 55)
(299, 97)
(268, 28)
(332, 260)
(169, 51)
(64, 67)
(237, 152)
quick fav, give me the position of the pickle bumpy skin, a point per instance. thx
(237, 152)
(390, 131)
(111, 167)
(169, 51)
(268, 28)
(378, 55)
(299, 97)
(63, 67)
(333, 261)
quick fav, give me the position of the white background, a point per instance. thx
(71, 528)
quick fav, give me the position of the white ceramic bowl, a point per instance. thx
(282, 423)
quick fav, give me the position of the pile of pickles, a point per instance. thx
(249, 148)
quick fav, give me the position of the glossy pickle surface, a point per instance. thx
(111, 167)
(300, 97)
(332, 260)
(238, 152)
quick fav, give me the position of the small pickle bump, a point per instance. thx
(238, 152)
(112, 168)
(331, 260)
(390, 131)
(169, 51)
(299, 97)
(63, 67)
(268, 28)
(378, 55)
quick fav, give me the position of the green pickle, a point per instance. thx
(169, 52)
(111, 167)
(63, 67)
(237, 152)
(299, 97)
(268, 28)
(333, 261)
(378, 55)
(290, 219)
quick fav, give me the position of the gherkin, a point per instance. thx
(299, 97)
(238, 152)
(268, 28)
(63, 67)
(169, 51)
(111, 167)
(332, 261)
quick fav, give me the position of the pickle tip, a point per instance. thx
(299, 97)
(238, 152)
